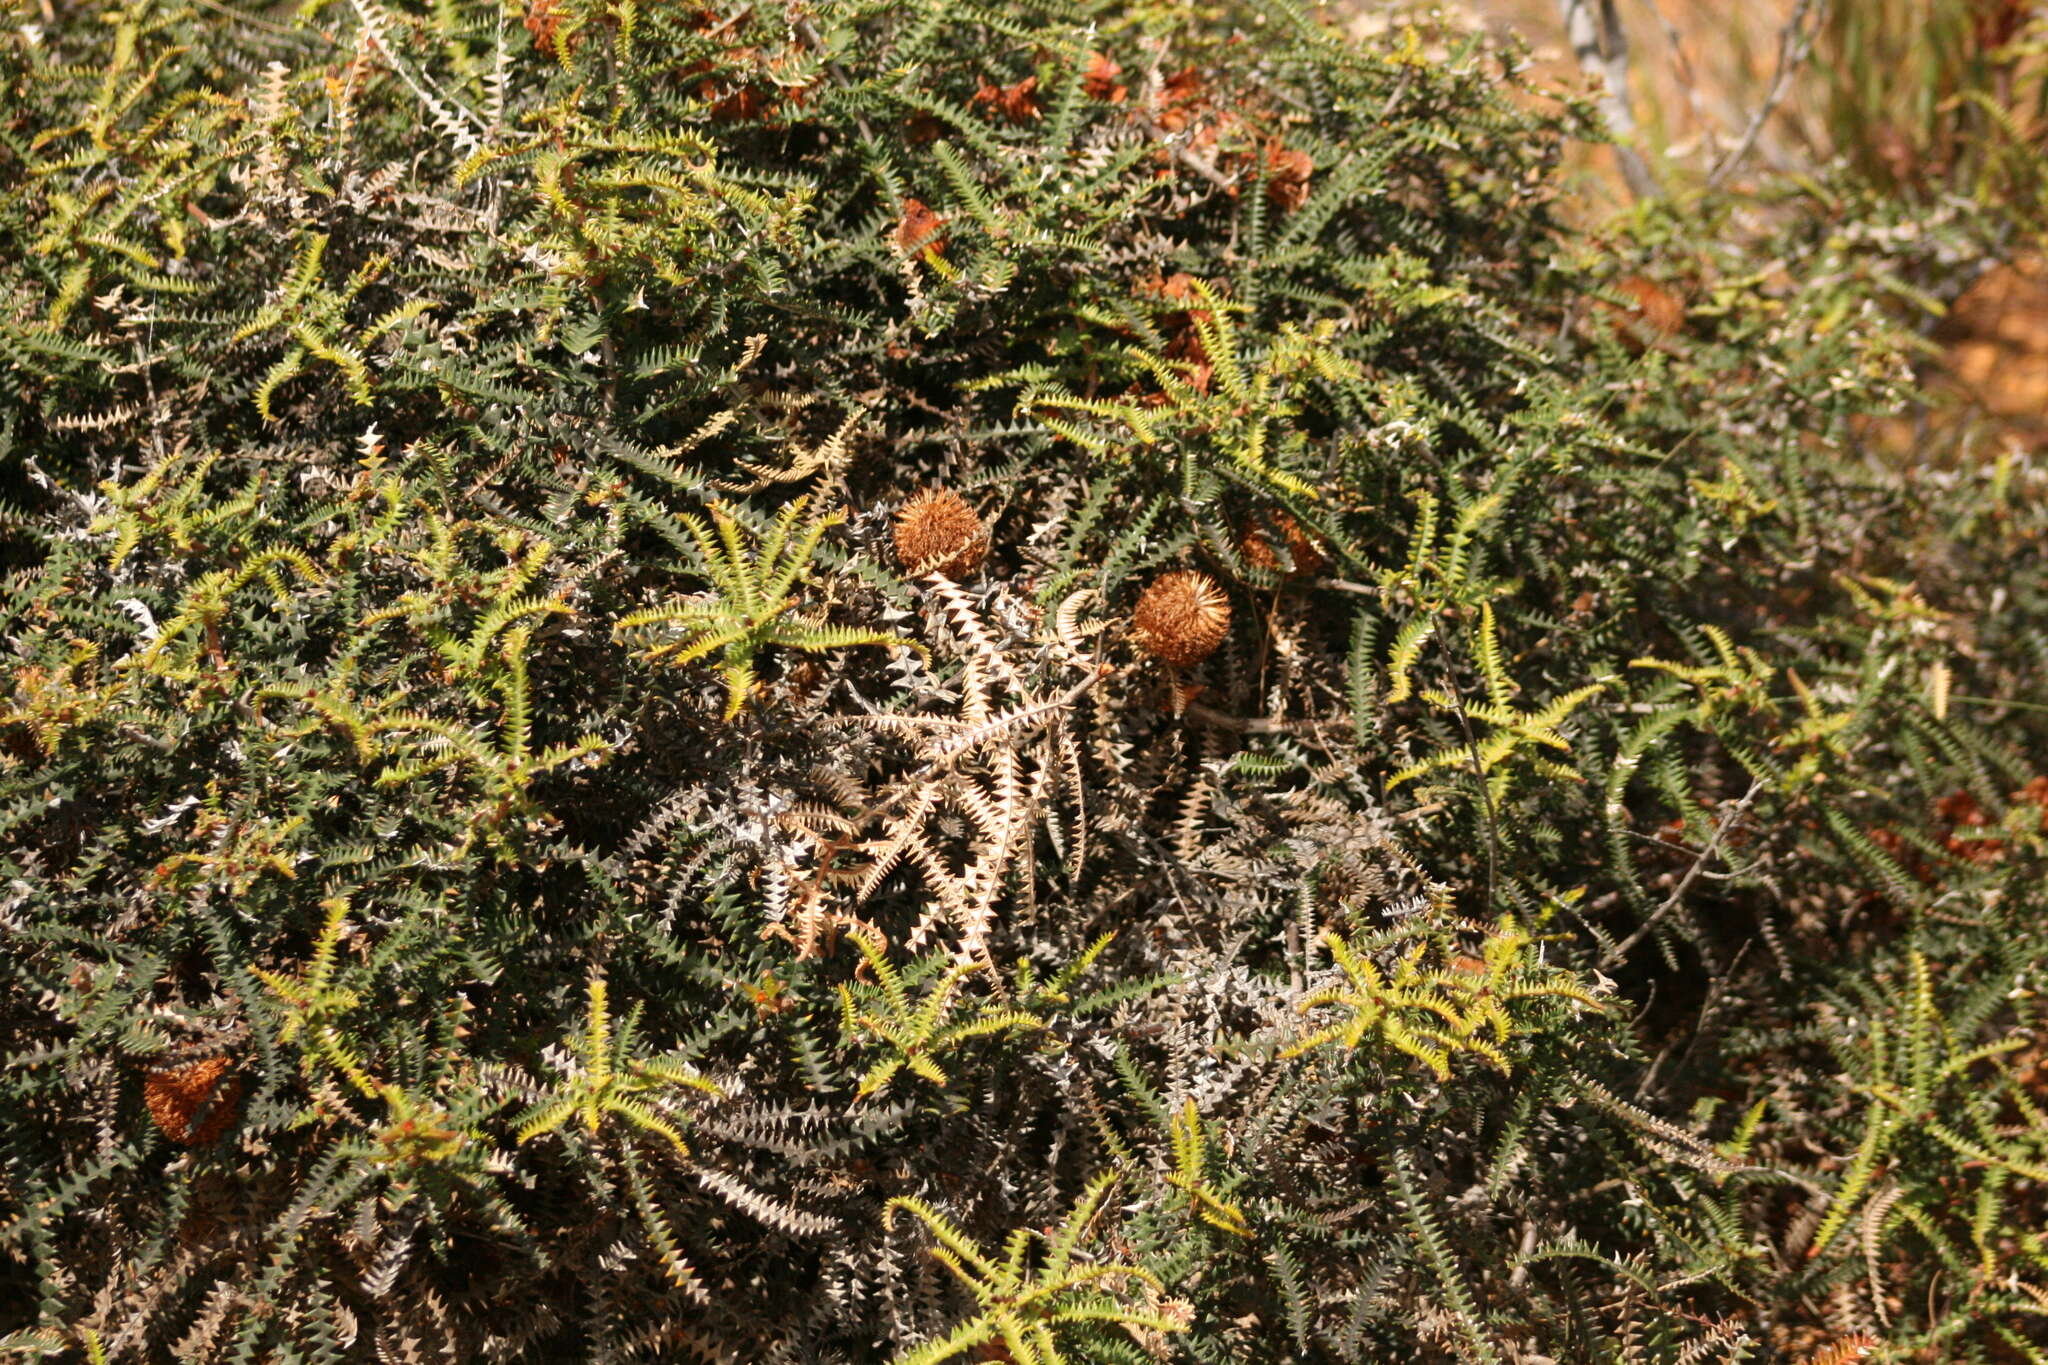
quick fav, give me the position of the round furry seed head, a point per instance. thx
(1182, 617)
(937, 532)
(201, 1091)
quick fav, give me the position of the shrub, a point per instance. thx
(504, 862)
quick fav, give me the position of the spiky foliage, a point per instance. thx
(1638, 788)
(1434, 1013)
(1026, 1307)
(750, 606)
(610, 1081)
(916, 1036)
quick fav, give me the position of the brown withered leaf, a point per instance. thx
(1183, 329)
(1099, 80)
(541, 22)
(1180, 97)
(1998, 23)
(744, 105)
(1287, 176)
(1659, 310)
(1018, 103)
(920, 230)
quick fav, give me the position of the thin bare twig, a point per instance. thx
(1176, 146)
(1346, 585)
(1727, 822)
(1257, 725)
(1795, 44)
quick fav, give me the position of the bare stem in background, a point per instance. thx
(1671, 902)
(1795, 44)
(1600, 44)
(1687, 79)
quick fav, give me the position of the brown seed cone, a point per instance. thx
(937, 532)
(199, 1090)
(1182, 617)
(1255, 543)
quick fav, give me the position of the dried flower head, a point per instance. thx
(1182, 617)
(937, 532)
(193, 1104)
(1304, 552)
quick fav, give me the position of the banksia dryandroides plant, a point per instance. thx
(1304, 552)
(447, 626)
(937, 532)
(193, 1104)
(1182, 617)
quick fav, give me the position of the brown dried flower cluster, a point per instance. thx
(205, 1091)
(1182, 617)
(937, 532)
(1304, 551)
